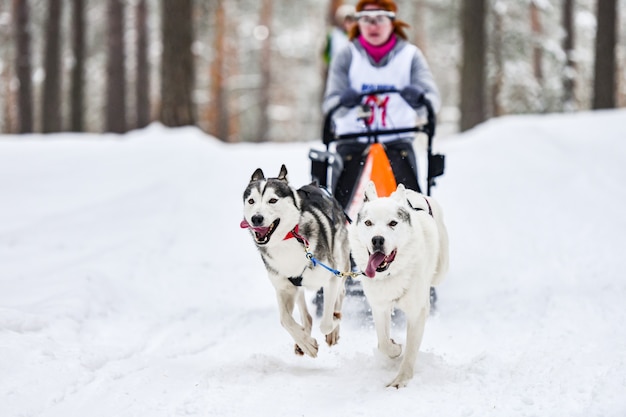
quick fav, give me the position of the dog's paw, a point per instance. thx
(402, 379)
(332, 338)
(391, 349)
(327, 327)
(398, 382)
(309, 347)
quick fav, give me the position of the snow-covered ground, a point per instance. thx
(127, 287)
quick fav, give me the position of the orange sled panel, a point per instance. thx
(382, 174)
(378, 169)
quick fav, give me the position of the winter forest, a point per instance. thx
(253, 70)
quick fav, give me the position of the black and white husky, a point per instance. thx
(401, 244)
(284, 223)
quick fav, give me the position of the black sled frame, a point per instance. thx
(323, 161)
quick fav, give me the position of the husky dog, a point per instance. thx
(285, 224)
(401, 244)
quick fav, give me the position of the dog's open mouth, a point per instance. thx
(262, 234)
(379, 262)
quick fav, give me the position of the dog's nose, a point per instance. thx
(257, 220)
(378, 242)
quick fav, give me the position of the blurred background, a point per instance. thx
(254, 71)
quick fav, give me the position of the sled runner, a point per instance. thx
(382, 155)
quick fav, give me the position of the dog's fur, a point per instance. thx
(403, 250)
(272, 210)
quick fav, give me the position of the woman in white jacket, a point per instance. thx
(378, 57)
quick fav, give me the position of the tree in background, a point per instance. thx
(497, 70)
(537, 41)
(51, 102)
(78, 67)
(231, 102)
(23, 66)
(177, 71)
(569, 72)
(473, 79)
(604, 83)
(218, 114)
(116, 78)
(264, 66)
(142, 81)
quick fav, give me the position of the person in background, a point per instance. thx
(337, 38)
(379, 56)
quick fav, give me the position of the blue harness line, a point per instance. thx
(311, 257)
(316, 262)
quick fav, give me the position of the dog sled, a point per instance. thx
(350, 160)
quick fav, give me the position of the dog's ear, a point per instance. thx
(258, 175)
(399, 194)
(282, 175)
(370, 192)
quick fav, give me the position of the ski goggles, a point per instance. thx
(374, 17)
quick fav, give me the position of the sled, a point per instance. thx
(350, 160)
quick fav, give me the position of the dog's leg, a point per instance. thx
(330, 321)
(382, 322)
(414, 333)
(304, 342)
(306, 318)
(332, 338)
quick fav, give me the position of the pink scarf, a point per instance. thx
(378, 52)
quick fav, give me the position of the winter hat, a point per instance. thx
(388, 5)
(343, 12)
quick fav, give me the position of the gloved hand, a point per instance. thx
(349, 98)
(413, 95)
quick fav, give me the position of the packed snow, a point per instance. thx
(127, 287)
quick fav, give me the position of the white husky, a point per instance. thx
(283, 222)
(401, 244)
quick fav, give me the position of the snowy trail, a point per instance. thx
(127, 288)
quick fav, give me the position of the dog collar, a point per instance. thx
(294, 233)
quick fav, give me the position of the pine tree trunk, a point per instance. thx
(264, 89)
(604, 84)
(177, 72)
(418, 28)
(498, 58)
(569, 72)
(116, 79)
(51, 103)
(23, 66)
(142, 82)
(473, 108)
(218, 113)
(537, 33)
(78, 47)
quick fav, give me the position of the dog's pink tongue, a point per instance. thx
(374, 262)
(259, 229)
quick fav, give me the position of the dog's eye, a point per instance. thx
(393, 223)
(273, 200)
(251, 201)
(368, 223)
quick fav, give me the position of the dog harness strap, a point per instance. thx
(294, 233)
(296, 281)
(430, 209)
